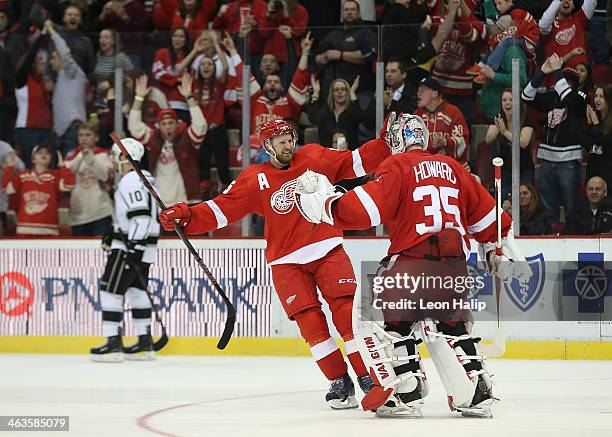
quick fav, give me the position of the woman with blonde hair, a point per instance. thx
(339, 111)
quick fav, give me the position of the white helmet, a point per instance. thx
(134, 148)
(407, 131)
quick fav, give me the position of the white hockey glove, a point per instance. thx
(511, 264)
(314, 195)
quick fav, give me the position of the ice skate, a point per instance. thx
(341, 395)
(365, 383)
(481, 403)
(402, 405)
(142, 350)
(109, 352)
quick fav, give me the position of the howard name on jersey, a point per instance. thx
(135, 216)
(417, 194)
(268, 191)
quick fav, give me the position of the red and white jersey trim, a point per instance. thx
(309, 253)
(369, 205)
(483, 223)
(323, 349)
(357, 164)
(351, 346)
(221, 218)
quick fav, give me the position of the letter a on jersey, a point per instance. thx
(263, 182)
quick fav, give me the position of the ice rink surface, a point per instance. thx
(239, 396)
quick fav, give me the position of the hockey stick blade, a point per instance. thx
(230, 321)
(163, 340)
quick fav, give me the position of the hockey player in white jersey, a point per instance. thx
(132, 248)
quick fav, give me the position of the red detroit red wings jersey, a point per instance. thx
(566, 35)
(268, 191)
(447, 121)
(417, 194)
(39, 195)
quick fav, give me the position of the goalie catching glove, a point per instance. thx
(510, 264)
(314, 196)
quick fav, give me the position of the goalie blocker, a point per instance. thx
(422, 199)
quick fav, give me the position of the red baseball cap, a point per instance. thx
(165, 114)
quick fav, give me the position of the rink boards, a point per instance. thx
(49, 300)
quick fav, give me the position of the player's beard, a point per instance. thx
(285, 158)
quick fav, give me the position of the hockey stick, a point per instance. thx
(498, 347)
(231, 311)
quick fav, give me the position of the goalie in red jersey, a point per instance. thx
(302, 259)
(431, 205)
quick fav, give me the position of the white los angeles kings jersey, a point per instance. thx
(135, 216)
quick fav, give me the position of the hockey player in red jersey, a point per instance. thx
(301, 258)
(431, 205)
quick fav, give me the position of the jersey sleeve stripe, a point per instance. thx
(221, 218)
(138, 212)
(484, 222)
(323, 349)
(358, 164)
(369, 205)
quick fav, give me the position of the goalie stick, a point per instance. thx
(498, 347)
(231, 311)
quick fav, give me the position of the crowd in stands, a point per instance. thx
(312, 62)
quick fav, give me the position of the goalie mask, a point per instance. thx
(408, 130)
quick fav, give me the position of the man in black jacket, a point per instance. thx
(348, 53)
(595, 216)
(563, 133)
(400, 94)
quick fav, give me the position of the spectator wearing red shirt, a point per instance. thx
(271, 102)
(194, 15)
(163, 14)
(448, 131)
(564, 29)
(39, 192)
(244, 16)
(454, 56)
(33, 94)
(210, 89)
(284, 24)
(168, 66)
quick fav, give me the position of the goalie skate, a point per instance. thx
(341, 395)
(481, 403)
(402, 405)
(142, 350)
(109, 352)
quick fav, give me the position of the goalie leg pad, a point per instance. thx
(396, 368)
(460, 364)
